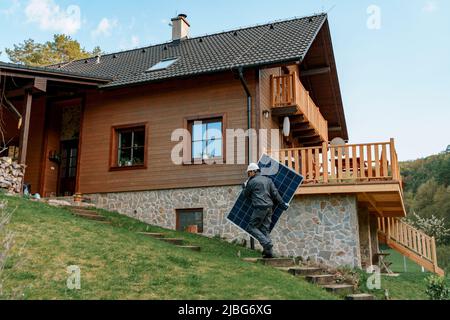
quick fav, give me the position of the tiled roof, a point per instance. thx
(52, 71)
(276, 42)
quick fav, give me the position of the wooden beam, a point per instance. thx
(25, 130)
(303, 130)
(373, 203)
(309, 137)
(314, 72)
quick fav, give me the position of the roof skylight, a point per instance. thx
(163, 64)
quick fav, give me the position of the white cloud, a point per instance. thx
(50, 16)
(128, 43)
(14, 6)
(104, 27)
(430, 6)
(135, 41)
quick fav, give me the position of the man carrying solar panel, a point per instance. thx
(264, 196)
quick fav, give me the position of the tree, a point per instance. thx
(62, 49)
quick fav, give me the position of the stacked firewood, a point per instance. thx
(11, 175)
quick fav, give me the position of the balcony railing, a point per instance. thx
(357, 163)
(288, 93)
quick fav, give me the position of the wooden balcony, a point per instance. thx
(290, 98)
(369, 170)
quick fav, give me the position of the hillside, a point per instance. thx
(427, 186)
(117, 263)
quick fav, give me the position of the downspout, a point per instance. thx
(249, 111)
(249, 126)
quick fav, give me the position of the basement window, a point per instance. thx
(190, 220)
(163, 64)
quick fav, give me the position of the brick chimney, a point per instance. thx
(180, 28)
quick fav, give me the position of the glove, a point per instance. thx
(285, 206)
(244, 185)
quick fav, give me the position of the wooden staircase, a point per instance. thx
(410, 242)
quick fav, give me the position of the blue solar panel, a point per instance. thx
(285, 179)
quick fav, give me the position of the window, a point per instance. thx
(129, 147)
(188, 218)
(163, 64)
(207, 139)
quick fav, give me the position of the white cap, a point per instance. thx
(253, 167)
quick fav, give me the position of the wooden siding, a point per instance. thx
(52, 142)
(164, 106)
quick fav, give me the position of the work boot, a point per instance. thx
(268, 253)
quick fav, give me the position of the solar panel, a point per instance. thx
(285, 179)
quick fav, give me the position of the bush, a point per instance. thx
(437, 288)
(443, 255)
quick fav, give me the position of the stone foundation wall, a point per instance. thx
(321, 228)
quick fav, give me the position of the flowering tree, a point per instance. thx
(433, 226)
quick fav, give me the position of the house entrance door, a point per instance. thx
(68, 168)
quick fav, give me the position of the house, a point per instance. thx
(104, 127)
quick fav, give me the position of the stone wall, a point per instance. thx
(321, 228)
(11, 175)
(365, 237)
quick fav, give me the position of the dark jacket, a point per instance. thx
(262, 192)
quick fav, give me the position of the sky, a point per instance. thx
(393, 56)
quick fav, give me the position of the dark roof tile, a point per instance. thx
(288, 40)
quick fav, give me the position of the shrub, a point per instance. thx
(443, 254)
(437, 288)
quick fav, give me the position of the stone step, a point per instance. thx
(302, 271)
(360, 297)
(152, 235)
(339, 289)
(323, 279)
(192, 248)
(94, 217)
(278, 262)
(251, 260)
(82, 211)
(177, 242)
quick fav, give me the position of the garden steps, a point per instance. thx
(323, 279)
(314, 275)
(301, 271)
(88, 215)
(152, 235)
(178, 242)
(339, 289)
(360, 297)
(192, 248)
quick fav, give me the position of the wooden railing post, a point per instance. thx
(393, 160)
(434, 254)
(325, 161)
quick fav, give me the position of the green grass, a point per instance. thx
(409, 285)
(117, 263)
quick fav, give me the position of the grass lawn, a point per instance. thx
(409, 285)
(117, 263)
